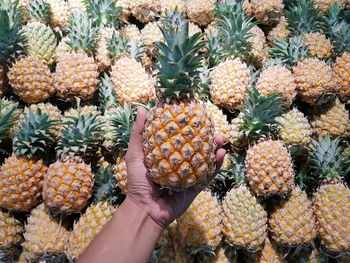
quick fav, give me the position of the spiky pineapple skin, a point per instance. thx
(88, 226)
(334, 122)
(280, 31)
(41, 41)
(21, 184)
(31, 80)
(76, 76)
(314, 78)
(201, 12)
(44, 234)
(245, 220)
(277, 79)
(332, 209)
(294, 127)
(151, 34)
(236, 135)
(179, 144)
(145, 10)
(121, 175)
(318, 45)
(60, 13)
(341, 68)
(102, 53)
(269, 168)
(10, 230)
(267, 12)
(229, 82)
(258, 53)
(200, 225)
(132, 32)
(292, 221)
(220, 120)
(131, 82)
(269, 254)
(68, 186)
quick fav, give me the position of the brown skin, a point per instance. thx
(131, 235)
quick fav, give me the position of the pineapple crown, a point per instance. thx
(290, 51)
(80, 137)
(105, 186)
(178, 61)
(6, 123)
(337, 29)
(326, 159)
(105, 13)
(39, 10)
(205, 80)
(233, 33)
(11, 38)
(106, 93)
(122, 121)
(303, 18)
(229, 8)
(260, 113)
(33, 137)
(82, 33)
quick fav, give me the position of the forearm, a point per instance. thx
(129, 237)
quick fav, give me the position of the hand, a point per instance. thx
(158, 203)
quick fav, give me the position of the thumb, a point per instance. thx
(135, 149)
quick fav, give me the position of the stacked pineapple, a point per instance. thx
(273, 77)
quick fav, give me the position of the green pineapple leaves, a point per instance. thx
(105, 13)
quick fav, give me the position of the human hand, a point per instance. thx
(163, 207)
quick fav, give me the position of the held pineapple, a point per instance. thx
(244, 220)
(69, 181)
(200, 226)
(201, 12)
(179, 143)
(76, 72)
(267, 12)
(88, 226)
(269, 167)
(23, 172)
(44, 234)
(331, 200)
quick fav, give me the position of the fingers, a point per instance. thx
(219, 139)
(220, 155)
(135, 150)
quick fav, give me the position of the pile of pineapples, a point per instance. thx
(273, 75)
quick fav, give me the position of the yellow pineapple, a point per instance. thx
(236, 135)
(44, 234)
(145, 10)
(180, 5)
(280, 31)
(323, 5)
(267, 12)
(277, 79)
(131, 32)
(294, 128)
(291, 221)
(318, 45)
(314, 80)
(269, 254)
(229, 83)
(10, 236)
(200, 225)
(259, 51)
(121, 174)
(341, 68)
(23, 172)
(201, 12)
(221, 123)
(151, 34)
(331, 200)
(102, 53)
(333, 121)
(60, 12)
(63, 47)
(31, 79)
(88, 226)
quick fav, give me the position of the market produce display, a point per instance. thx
(271, 76)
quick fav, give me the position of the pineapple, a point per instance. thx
(131, 32)
(179, 142)
(39, 11)
(201, 12)
(259, 51)
(2, 81)
(236, 135)
(244, 218)
(145, 10)
(221, 123)
(341, 68)
(323, 5)
(63, 48)
(247, 7)
(331, 200)
(121, 174)
(314, 79)
(165, 5)
(291, 221)
(87, 227)
(23, 172)
(267, 12)
(151, 34)
(44, 234)
(102, 53)
(130, 80)
(277, 79)
(280, 31)
(333, 122)
(269, 167)
(200, 226)
(318, 45)
(9, 113)
(69, 181)
(80, 111)
(76, 72)
(41, 41)
(10, 234)
(60, 12)
(269, 254)
(294, 128)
